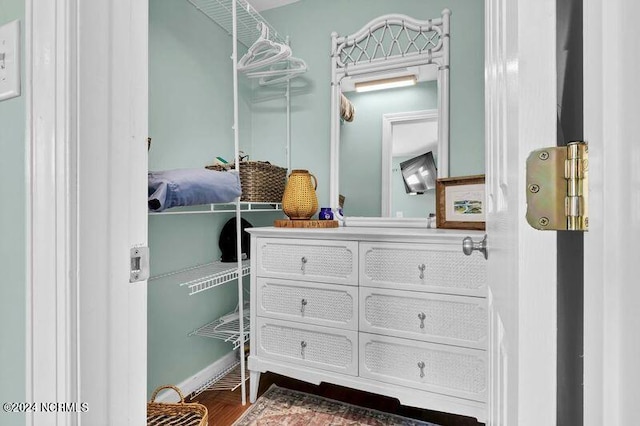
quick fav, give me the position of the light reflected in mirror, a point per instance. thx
(390, 126)
(418, 173)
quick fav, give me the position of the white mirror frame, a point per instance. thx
(351, 56)
(388, 121)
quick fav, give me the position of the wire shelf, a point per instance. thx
(227, 328)
(204, 277)
(245, 206)
(228, 380)
(248, 19)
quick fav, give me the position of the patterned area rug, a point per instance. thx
(284, 407)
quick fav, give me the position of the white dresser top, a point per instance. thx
(414, 235)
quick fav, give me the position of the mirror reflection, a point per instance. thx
(389, 127)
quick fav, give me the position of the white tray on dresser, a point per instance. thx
(400, 312)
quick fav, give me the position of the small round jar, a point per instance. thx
(325, 214)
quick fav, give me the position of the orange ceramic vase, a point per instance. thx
(299, 200)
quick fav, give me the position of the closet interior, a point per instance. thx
(262, 58)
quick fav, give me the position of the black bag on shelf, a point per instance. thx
(227, 241)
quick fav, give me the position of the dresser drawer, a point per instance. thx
(320, 304)
(441, 318)
(316, 260)
(444, 369)
(318, 347)
(440, 268)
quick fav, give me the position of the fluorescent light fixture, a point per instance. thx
(413, 180)
(386, 83)
(419, 173)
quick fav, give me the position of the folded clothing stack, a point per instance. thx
(189, 187)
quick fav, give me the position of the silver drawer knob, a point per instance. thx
(303, 345)
(303, 260)
(468, 246)
(421, 367)
(421, 317)
(421, 268)
(303, 303)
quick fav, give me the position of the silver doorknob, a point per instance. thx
(468, 246)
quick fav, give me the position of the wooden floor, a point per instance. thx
(226, 407)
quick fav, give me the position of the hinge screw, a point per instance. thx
(543, 221)
(543, 155)
(534, 188)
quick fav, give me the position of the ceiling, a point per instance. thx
(261, 5)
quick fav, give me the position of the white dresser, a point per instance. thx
(395, 311)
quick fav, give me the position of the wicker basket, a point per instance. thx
(261, 182)
(175, 414)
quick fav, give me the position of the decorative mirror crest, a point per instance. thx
(392, 35)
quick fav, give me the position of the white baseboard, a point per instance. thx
(199, 379)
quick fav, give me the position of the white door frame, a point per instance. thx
(611, 284)
(86, 163)
(390, 120)
(52, 366)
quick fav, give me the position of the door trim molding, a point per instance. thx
(611, 291)
(52, 367)
(87, 84)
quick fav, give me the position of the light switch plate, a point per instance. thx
(10, 60)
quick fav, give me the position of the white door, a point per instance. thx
(521, 116)
(87, 129)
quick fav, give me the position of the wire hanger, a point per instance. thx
(284, 77)
(280, 72)
(263, 52)
(291, 65)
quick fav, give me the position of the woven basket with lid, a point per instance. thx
(261, 182)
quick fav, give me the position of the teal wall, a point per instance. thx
(12, 237)
(309, 23)
(190, 122)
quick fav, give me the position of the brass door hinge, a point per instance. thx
(557, 188)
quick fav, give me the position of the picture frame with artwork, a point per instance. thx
(461, 202)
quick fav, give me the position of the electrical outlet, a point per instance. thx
(10, 60)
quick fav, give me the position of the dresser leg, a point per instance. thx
(254, 382)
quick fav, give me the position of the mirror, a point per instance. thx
(390, 126)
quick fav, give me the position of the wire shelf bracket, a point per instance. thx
(245, 206)
(203, 277)
(228, 380)
(226, 328)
